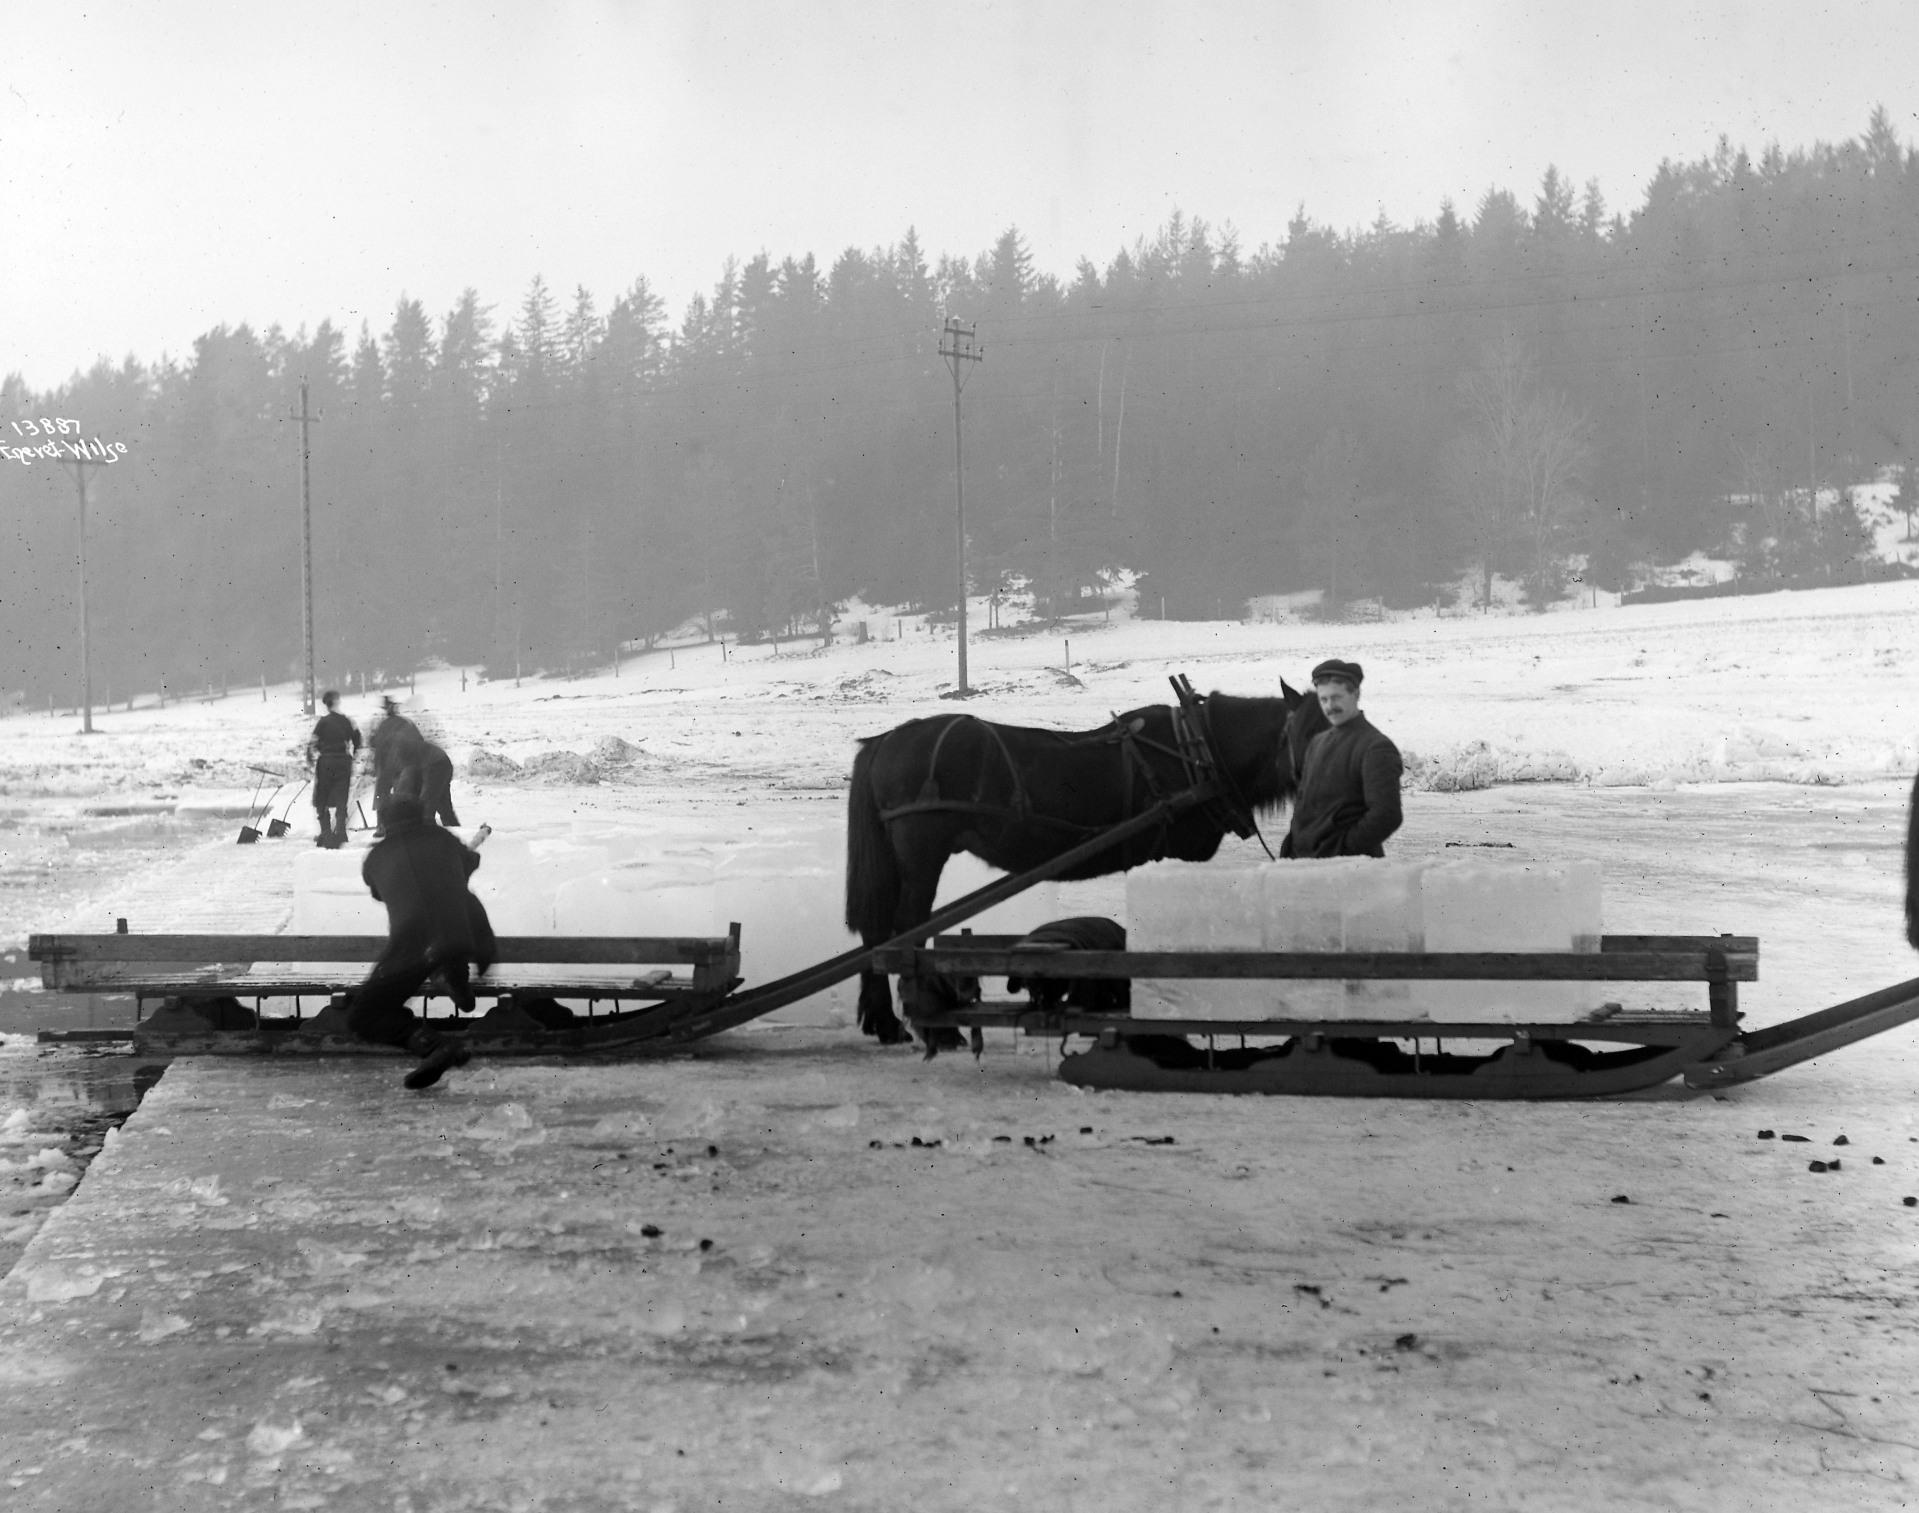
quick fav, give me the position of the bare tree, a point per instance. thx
(1515, 475)
(1331, 516)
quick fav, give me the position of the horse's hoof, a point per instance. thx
(943, 1038)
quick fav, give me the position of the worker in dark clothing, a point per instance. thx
(436, 783)
(392, 745)
(434, 924)
(330, 752)
(399, 748)
(1348, 800)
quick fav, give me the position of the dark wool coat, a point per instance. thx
(419, 871)
(1348, 801)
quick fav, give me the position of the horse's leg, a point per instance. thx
(928, 845)
(876, 1014)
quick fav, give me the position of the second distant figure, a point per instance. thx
(399, 749)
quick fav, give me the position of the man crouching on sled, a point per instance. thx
(434, 924)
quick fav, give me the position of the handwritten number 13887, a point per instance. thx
(45, 427)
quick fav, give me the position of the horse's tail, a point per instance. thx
(1912, 866)
(872, 871)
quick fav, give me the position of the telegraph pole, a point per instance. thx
(80, 466)
(306, 420)
(959, 346)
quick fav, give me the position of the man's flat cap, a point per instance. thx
(1345, 672)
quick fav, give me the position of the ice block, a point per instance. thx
(1196, 906)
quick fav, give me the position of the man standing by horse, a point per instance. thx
(1348, 799)
(330, 749)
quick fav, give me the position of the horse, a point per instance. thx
(1016, 797)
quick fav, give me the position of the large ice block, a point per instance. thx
(1510, 905)
(637, 900)
(1302, 904)
(1380, 910)
(1196, 906)
(507, 882)
(329, 897)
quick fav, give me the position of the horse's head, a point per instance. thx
(1263, 741)
(1304, 720)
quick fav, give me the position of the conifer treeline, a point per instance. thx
(1372, 414)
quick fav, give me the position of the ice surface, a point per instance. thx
(1022, 912)
(786, 887)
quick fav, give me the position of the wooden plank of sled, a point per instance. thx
(1696, 963)
(213, 965)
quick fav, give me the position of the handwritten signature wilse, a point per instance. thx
(63, 443)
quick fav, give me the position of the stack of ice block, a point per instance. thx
(1364, 905)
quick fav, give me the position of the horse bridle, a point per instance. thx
(1206, 768)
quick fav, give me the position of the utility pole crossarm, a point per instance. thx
(959, 345)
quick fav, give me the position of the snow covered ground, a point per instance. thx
(1298, 1303)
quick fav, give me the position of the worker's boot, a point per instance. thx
(438, 1056)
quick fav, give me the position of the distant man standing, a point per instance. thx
(330, 751)
(1348, 801)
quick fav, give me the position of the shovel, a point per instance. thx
(248, 835)
(279, 827)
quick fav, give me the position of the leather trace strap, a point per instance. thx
(1126, 734)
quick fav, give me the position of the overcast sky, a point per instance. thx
(165, 168)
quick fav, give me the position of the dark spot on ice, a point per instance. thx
(1910, 1202)
(1818, 1166)
(1086, 1129)
(1406, 1342)
(651, 1231)
(706, 1245)
(1841, 1140)
(1878, 1160)
(1766, 1134)
(1621, 1198)
(1796, 1139)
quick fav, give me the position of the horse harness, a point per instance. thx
(1217, 794)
